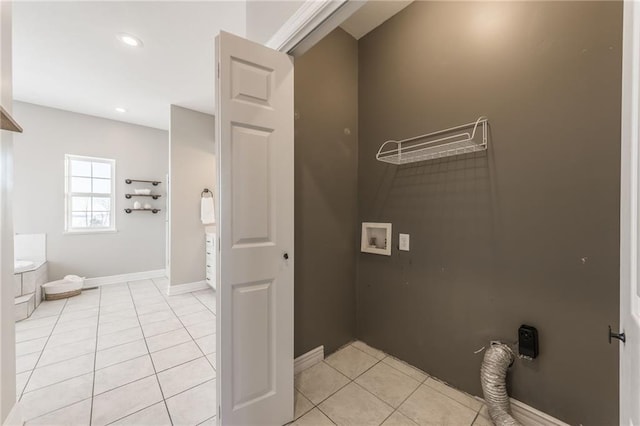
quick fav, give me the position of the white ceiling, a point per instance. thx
(66, 55)
(371, 15)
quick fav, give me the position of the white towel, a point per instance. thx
(207, 213)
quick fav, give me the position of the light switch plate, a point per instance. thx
(404, 242)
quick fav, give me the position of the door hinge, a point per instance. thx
(619, 336)
(219, 414)
(218, 70)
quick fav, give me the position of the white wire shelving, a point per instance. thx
(440, 144)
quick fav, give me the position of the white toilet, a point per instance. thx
(70, 285)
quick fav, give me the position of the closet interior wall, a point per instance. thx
(326, 203)
(526, 232)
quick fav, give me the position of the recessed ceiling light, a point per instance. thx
(130, 40)
(121, 110)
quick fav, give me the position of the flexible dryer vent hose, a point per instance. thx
(493, 373)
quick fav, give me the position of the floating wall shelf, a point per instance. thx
(440, 144)
(152, 182)
(154, 196)
(154, 211)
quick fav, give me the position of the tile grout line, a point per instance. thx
(166, 407)
(203, 304)
(34, 328)
(421, 383)
(155, 403)
(340, 372)
(198, 346)
(210, 418)
(58, 409)
(99, 306)
(60, 314)
(118, 363)
(378, 361)
(95, 359)
(194, 340)
(42, 351)
(405, 400)
(333, 393)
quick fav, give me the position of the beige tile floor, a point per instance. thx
(122, 354)
(360, 385)
(127, 354)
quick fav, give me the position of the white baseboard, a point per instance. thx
(15, 416)
(309, 359)
(117, 279)
(212, 285)
(173, 290)
(529, 416)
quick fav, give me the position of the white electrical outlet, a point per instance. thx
(404, 242)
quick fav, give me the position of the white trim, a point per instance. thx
(311, 23)
(629, 214)
(116, 279)
(93, 231)
(173, 290)
(304, 20)
(311, 358)
(211, 285)
(365, 245)
(529, 416)
(15, 416)
(68, 195)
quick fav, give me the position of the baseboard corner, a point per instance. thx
(173, 290)
(308, 359)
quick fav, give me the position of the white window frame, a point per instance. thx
(69, 195)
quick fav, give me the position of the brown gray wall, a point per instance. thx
(326, 160)
(497, 238)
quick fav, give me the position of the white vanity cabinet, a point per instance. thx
(211, 259)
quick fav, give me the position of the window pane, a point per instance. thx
(101, 204)
(79, 219)
(100, 220)
(101, 170)
(79, 204)
(80, 184)
(80, 168)
(102, 186)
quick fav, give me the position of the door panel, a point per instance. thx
(251, 183)
(254, 122)
(254, 343)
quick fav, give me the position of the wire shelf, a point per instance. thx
(435, 145)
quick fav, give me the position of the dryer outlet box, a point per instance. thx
(528, 341)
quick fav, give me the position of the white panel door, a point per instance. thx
(254, 125)
(630, 219)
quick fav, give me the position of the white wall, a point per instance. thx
(140, 153)
(7, 329)
(192, 168)
(265, 17)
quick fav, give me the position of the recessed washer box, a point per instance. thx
(376, 238)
